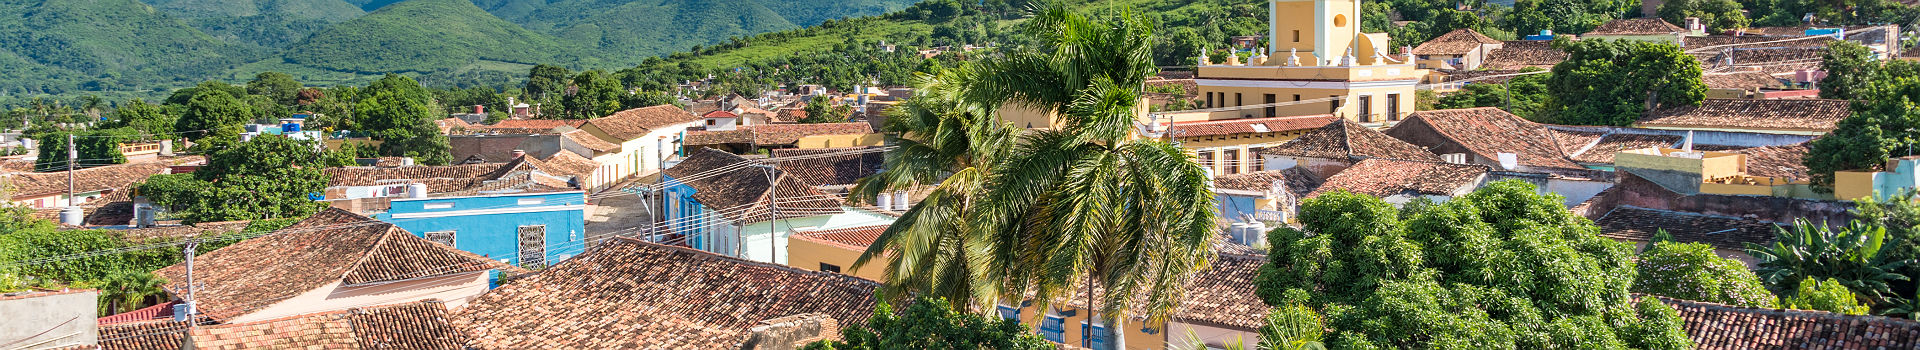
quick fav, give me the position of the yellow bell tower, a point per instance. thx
(1319, 30)
(1316, 62)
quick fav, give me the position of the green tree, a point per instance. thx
(1691, 271)
(1524, 96)
(931, 323)
(594, 95)
(1293, 327)
(1900, 214)
(266, 178)
(1605, 82)
(1850, 68)
(276, 86)
(212, 113)
(124, 291)
(150, 120)
(1885, 120)
(1857, 256)
(647, 99)
(1716, 15)
(96, 148)
(395, 110)
(1501, 267)
(1829, 295)
(547, 80)
(822, 109)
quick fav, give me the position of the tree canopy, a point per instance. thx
(1614, 82)
(265, 178)
(1886, 116)
(933, 324)
(1691, 271)
(395, 109)
(1501, 267)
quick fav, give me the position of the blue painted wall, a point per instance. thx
(684, 214)
(490, 224)
(1234, 207)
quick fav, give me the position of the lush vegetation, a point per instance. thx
(1884, 120)
(1829, 295)
(1691, 271)
(1859, 256)
(929, 323)
(1501, 267)
(1525, 96)
(1606, 82)
(427, 35)
(266, 178)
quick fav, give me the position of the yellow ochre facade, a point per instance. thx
(1315, 51)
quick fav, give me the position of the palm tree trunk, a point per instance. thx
(1116, 334)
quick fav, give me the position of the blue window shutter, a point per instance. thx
(1053, 328)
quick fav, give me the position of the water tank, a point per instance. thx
(73, 215)
(289, 128)
(143, 215)
(884, 201)
(1237, 232)
(1256, 233)
(900, 201)
(416, 190)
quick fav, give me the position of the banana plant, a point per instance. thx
(1852, 255)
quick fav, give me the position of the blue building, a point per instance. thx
(524, 229)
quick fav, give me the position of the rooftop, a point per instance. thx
(1603, 148)
(1517, 54)
(638, 295)
(1716, 326)
(1805, 115)
(333, 246)
(105, 178)
(1486, 132)
(1636, 26)
(1249, 125)
(587, 140)
(1296, 181)
(1348, 140)
(634, 123)
(1387, 177)
(816, 168)
(775, 134)
(415, 325)
(1636, 224)
(1456, 42)
(856, 238)
(534, 124)
(743, 194)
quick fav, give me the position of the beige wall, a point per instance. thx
(1136, 339)
(808, 254)
(454, 289)
(1246, 146)
(831, 141)
(1350, 98)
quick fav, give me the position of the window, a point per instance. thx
(531, 201)
(829, 268)
(1334, 106)
(1269, 108)
(1052, 328)
(1206, 158)
(1233, 161)
(1393, 106)
(1296, 35)
(1366, 108)
(533, 245)
(1296, 97)
(1259, 162)
(441, 237)
(1098, 332)
(441, 205)
(1008, 312)
(1210, 99)
(709, 122)
(1237, 101)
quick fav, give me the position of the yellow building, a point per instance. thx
(1315, 53)
(835, 250)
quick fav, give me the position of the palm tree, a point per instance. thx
(949, 144)
(1852, 255)
(1087, 204)
(125, 291)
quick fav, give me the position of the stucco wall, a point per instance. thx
(809, 254)
(832, 141)
(51, 320)
(454, 289)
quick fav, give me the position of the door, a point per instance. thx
(533, 246)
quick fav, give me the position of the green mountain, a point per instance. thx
(54, 46)
(260, 23)
(425, 36)
(609, 25)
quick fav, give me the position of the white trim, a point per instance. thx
(489, 211)
(1295, 84)
(516, 194)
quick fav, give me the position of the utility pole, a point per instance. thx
(72, 155)
(773, 211)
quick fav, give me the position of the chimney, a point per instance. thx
(479, 109)
(519, 153)
(1694, 27)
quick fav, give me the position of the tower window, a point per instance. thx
(1237, 101)
(1296, 35)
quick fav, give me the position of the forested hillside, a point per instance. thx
(427, 35)
(55, 46)
(260, 23)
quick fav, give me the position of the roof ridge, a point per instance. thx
(1785, 312)
(716, 256)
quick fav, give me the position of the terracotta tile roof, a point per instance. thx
(1517, 54)
(524, 174)
(719, 114)
(637, 295)
(156, 312)
(1249, 125)
(633, 123)
(856, 238)
(1387, 177)
(1786, 161)
(836, 170)
(1752, 114)
(1223, 294)
(451, 124)
(1636, 26)
(106, 178)
(1348, 140)
(703, 107)
(332, 246)
(112, 210)
(415, 325)
(445, 175)
(1742, 80)
(537, 123)
(791, 114)
(744, 193)
(1759, 56)
(1457, 42)
(786, 134)
(1486, 132)
(176, 232)
(1607, 146)
(1636, 224)
(1717, 327)
(569, 164)
(705, 137)
(587, 140)
(1296, 181)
